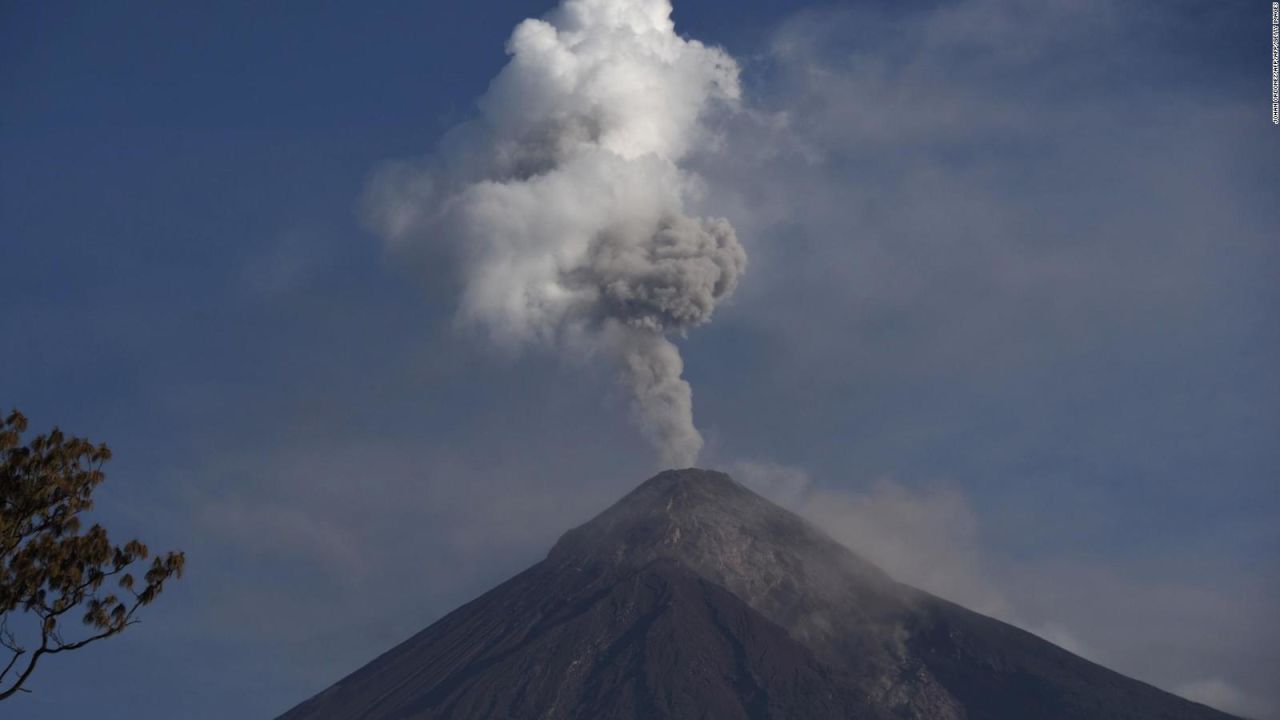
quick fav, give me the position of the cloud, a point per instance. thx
(563, 204)
(1024, 248)
(923, 537)
(1221, 694)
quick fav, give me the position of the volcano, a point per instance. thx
(693, 597)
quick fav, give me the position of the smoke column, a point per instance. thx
(563, 202)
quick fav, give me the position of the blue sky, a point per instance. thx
(1008, 326)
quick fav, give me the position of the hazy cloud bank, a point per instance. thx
(1024, 247)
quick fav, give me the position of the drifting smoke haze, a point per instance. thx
(563, 204)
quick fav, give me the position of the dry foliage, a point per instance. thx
(51, 573)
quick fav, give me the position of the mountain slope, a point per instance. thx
(656, 642)
(692, 597)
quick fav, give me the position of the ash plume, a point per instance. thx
(563, 204)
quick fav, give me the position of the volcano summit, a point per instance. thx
(693, 597)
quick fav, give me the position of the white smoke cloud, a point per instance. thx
(563, 203)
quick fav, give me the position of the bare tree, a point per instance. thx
(48, 567)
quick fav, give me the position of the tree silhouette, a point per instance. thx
(48, 568)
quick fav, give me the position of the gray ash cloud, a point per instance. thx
(563, 205)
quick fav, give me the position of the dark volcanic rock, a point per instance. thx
(693, 597)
